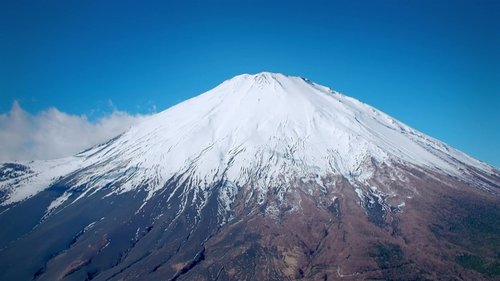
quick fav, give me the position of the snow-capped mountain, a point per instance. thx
(268, 144)
(289, 125)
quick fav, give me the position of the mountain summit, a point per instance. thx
(266, 176)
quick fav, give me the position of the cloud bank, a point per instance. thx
(53, 134)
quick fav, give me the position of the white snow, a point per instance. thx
(257, 129)
(44, 173)
(361, 197)
(59, 201)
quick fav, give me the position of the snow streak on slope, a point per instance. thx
(265, 128)
(37, 176)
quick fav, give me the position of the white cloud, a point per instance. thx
(52, 134)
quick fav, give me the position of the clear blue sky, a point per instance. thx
(431, 64)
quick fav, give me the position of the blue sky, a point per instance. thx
(431, 64)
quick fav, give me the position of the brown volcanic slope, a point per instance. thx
(449, 233)
(448, 230)
(321, 188)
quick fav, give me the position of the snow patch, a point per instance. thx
(59, 201)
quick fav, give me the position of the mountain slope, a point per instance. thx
(266, 170)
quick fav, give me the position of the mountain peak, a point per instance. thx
(269, 87)
(260, 75)
(264, 78)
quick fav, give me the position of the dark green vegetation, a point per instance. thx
(479, 264)
(388, 255)
(394, 264)
(474, 226)
(374, 210)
